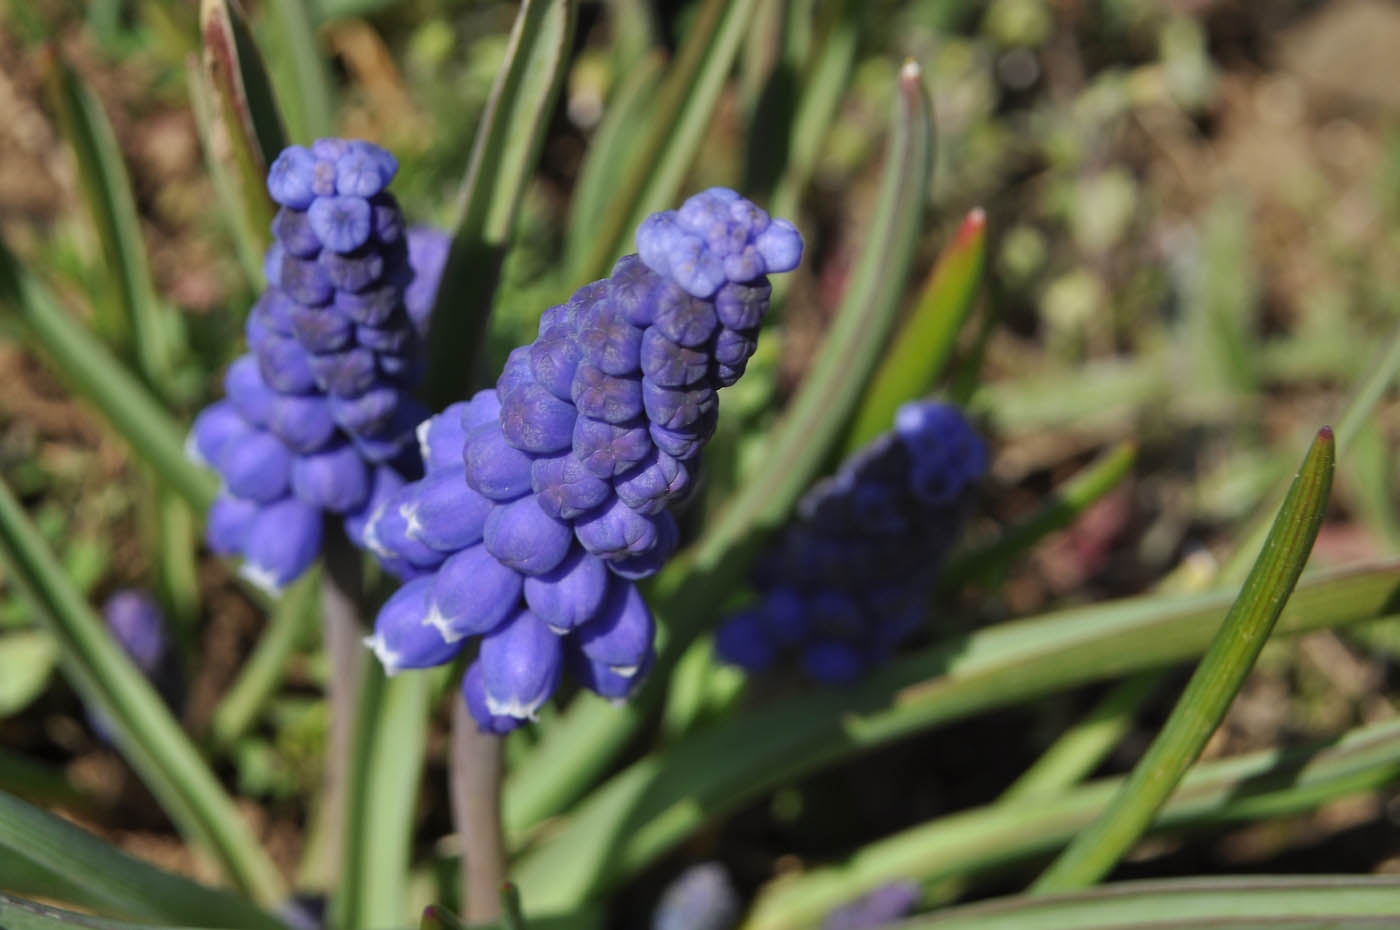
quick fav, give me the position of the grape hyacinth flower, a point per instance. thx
(138, 625)
(702, 897)
(885, 905)
(318, 415)
(545, 499)
(847, 583)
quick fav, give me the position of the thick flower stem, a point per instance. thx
(341, 585)
(477, 766)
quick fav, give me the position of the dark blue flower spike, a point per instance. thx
(846, 584)
(557, 482)
(321, 407)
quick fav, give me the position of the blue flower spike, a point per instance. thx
(593, 430)
(862, 552)
(323, 399)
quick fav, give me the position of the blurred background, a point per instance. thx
(1193, 213)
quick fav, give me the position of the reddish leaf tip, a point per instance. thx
(1325, 434)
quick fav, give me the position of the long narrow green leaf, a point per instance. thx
(1285, 902)
(386, 769)
(144, 329)
(84, 870)
(502, 162)
(297, 61)
(656, 169)
(149, 736)
(1272, 782)
(296, 613)
(103, 382)
(249, 237)
(920, 351)
(658, 801)
(18, 914)
(1212, 688)
(250, 115)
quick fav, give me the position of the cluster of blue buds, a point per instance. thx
(849, 581)
(545, 499)
(318, 415)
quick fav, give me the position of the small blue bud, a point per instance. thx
(354, 270)
(427, 255)
(441, 438)
(600, 678)
(515, 374)
(388, 223)
(258, 467)
(371, 413)
(285, 366)
(283, 540)
(329, 150)
(701, 898)
(621, 634)
(246, 390)
(605, 397)
(321, 329)
(646, 564)
(783, 614)
(385, 482)
(735, 347)
(609, 449)
(781, 247)
(446, 514)
(306, 281)
(609, 341)
(534, 420)
(472, 594)
(495, 469)
(387, 533)
(554, 359)
(484, 407)
(832, 662)
(520, 665)
(526, 538)
(685, 320)
(364, 169)
(395, 336)
(336, 479)
(401, 637)
(272, 263)
(371, 307)
(669, 364)
(474, 692)
(654, 483)
(226, 531)
(678, 408)
(565, 488)
(881, 907)
(289, 180)
(214, 429)
(138, 625)
(615, 531)
(741, 640)
(293, 229)
(631, 286)
(348, 373)
(569, 595)
(743, 306)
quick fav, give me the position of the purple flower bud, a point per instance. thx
(620, 636)
(554, 359)
(441, 438)
(285, 366)
(472, 594)
(683, 319)
(685, 443)
(385, 482)
(495, 469)
(701, 898)
(742, 306)
(306, 281)
(395, 336)
(364, 170)
(370, 307)
(648, 563)
(741, 640)
(783, 614)
(947, 455)
(600, 678)
(321, 329)
(526, 538)
(387, 533)
(832, 662)
(608, 449)
(631, 287)
(615, 531)
(353, 270)
(515, 374)
(520, 664)
(371, 414)
(336, 479)
(677, 408)
(671, 365)
(272, 263)
(138, 625)
(293, 229)
(656, 482)
(885, 905)
(565, 488)
(781, 247)
(257, 467)
(606, 397)
(349, 373)
(427, 255)
(401, 637)
(609, 341)
(397, 436)
(735, 347)
(534, 420)
(289, 180)
(446, 514)
(329, 150)
(274, 310)
(569, 595)
(474, 692)
(216, 427)
(226, 531)
(283, 540)
(678, 255)
(245, 389)
(484, 407)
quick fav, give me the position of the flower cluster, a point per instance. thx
(318, 414)
(545, 499)
(138, 625)
(848, 582)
